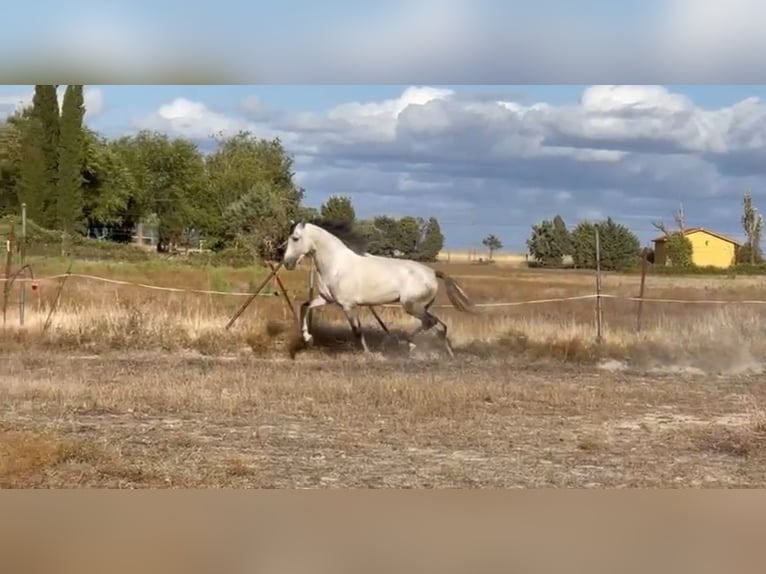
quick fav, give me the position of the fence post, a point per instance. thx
(23, 256)
(10, 246)
(599, 310)
(644, 263)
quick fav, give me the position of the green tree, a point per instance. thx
(619, 246)
(542, 246)
(171, 183)
(44, 139)
(111, 207)
(32, 183)
(561, 238)
(550, 242)
(679, 250)
(71, 159)
(433, 240)
(752, 224)
(241, 164)
(306, 213)
(385, 239)
(492, 243)
(10, 162)
(372, 235)
(408, 232)
(338, 207)
(257, 218)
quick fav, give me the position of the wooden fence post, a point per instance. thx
(599, 310)
(644, 264)
(10, 246)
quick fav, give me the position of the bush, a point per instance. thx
(46, 243)
(228, 257)
(740, 269)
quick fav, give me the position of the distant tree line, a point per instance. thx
(550, 242)
(242, 196)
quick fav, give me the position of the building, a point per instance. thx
(709, 249)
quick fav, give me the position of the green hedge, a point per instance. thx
(739, 269)
(46, 243)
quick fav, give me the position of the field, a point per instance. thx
(132, 387)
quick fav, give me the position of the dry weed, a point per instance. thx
(148, 420)
(100, 317)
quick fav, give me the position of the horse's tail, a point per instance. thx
(456, 295)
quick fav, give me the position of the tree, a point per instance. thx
(752, 223)
(170, 182)
(432, 242)
(241, 164)
(408, 234)
(679, 250)
(338, 207)
(560, 236)
(385, 237)
(112, 200)
(44, 140)
(492, 243)
(618, 246)
(678, 247)
(27, 165)
(306, 213)
(373, 237)
(69, 193)
(256, 218)
(10, 162)
(550, 242)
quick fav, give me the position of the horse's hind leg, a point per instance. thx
(356, 327)
(443, 332)
(426, 321)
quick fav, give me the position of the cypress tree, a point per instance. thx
(69, 197)
(32, 175)
(45, 110)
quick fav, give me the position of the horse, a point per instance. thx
(350, 277)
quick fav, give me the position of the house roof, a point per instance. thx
(690, 230)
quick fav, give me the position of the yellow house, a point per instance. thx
(709, 249)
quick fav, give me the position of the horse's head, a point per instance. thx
(299, 244)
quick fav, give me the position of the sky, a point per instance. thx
(488, 114)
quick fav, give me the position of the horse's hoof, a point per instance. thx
(308, 339)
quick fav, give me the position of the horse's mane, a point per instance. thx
(344, 230)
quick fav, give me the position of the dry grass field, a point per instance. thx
(133, 387)
(465, 256)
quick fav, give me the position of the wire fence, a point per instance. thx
(24, 276)
(36, 281)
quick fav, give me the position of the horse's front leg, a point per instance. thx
(317, 301)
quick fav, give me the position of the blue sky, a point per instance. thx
(630, 152)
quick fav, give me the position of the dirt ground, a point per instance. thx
(134, 420)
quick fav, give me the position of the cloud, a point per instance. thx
(189, 119)
(499, 165)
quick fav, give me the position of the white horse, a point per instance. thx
(351, 279)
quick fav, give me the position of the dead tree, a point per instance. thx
(680, 219)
